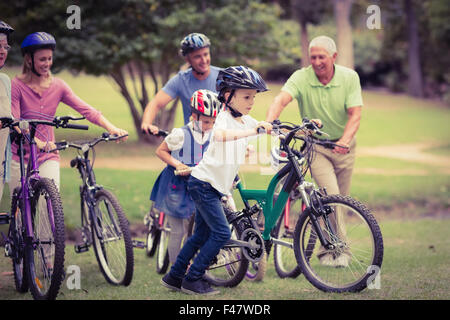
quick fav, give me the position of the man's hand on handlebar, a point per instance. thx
(149, 128)
(340, 150)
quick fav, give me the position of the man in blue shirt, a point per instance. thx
(201, 75)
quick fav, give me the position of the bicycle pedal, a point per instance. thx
(4, 218)
(80, 248)
(139, 244)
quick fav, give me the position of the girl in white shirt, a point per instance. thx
(213, 176)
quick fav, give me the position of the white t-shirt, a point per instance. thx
(221, 161)
(175, 139)
(5, 96)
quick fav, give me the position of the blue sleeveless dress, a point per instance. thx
(169, 192)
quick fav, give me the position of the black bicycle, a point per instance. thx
(103, 221)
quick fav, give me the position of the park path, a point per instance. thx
(414, 153)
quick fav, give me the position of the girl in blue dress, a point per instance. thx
(182, 149)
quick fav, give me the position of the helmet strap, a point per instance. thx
(32, 65)
(196, 71)
(234, 113)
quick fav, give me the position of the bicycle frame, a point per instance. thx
(88, 190)
(26, 178)
(272, 211)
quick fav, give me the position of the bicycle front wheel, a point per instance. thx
(45, 252)
(357, 246)
(112, 239)
(17, 244)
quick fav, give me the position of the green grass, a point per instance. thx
(416, 248)
(415, 266)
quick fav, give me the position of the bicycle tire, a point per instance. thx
(162, 250)
(365, 250)
(224, 273)
(284, 259)
(152, 236)
(45, 276)
(152, 241)
(117, 227)
(257, 270)
(15, 236)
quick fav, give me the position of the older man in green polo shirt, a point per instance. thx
(332, 94)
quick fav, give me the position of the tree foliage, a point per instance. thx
(136, 42)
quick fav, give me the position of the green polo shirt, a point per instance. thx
(328, 103)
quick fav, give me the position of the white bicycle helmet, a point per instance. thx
(205, 102)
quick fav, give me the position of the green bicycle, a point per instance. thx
(357, 248)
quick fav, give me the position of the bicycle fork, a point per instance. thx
(315, 209)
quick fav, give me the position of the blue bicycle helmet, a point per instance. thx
(194, 41)
(36, 41)
(239, 77)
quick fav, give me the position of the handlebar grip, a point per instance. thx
(76, 126)
(161, 133)
(73, 162)
(260, 130)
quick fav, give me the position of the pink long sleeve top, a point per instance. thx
(28, 104)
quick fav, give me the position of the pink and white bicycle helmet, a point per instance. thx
(205, 102)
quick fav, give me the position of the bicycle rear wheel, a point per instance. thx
(45, 252)
(162, 249)
(357, 252)
(16, 244)
(230, 265)
(112, 239)
(286, 265)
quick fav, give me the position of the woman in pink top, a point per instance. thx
(36, 94)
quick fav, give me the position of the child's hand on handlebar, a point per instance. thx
(264, 126)
(183, 170)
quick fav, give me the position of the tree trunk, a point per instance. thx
(342, 9)
(415, 80)
(304, 42)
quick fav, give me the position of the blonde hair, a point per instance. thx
(27, 71)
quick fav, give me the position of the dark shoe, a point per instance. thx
(200, 286)
(172, 283)
(268, 245)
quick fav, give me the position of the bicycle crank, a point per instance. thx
(254, 250)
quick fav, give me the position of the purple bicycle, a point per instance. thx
(35, 240)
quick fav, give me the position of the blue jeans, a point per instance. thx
(211, 232)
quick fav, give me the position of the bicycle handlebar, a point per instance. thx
(57, 122)
(307, 125)
(161, 133)
(84, 146)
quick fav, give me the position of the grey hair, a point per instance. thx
(323, 42)
(3, 36)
